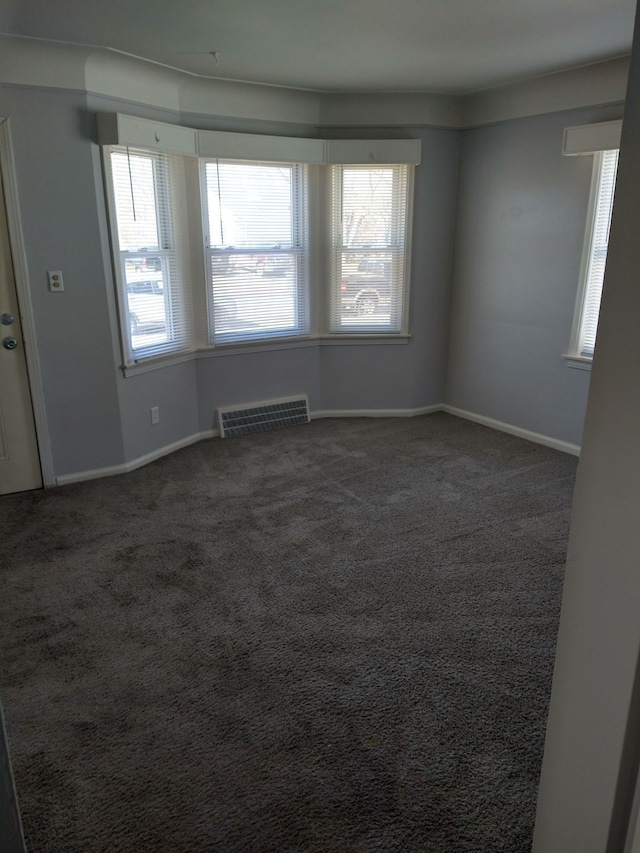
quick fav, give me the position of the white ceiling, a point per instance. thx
(453, 46)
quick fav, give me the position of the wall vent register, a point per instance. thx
(259, 417)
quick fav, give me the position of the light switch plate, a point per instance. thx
(56, 283)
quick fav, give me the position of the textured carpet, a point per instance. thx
(334, 637)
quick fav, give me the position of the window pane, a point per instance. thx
(369, 234)
(256, 297)
(149, 306)
(257, 259)
(598, 253)
(155, 308)
(367, 207)
(249, 205)
(366, 293)
(134, 186)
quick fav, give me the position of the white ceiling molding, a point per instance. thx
(589, 138)
(116, 75)
(590, 86)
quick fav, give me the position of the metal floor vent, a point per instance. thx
(258, 417)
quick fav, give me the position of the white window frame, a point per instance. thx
(579, 354)
(171, 219)
(300, 249)
(336, 248)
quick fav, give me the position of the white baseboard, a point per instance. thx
(140, 461)
(92, 474)
(125, 467)
(375, 413)
(538, 438)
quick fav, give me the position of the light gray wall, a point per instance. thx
(432, 259)
(225, 380)
(520, 229)
(366, 376)
(173, 390)
(593, 737)
(59, 211)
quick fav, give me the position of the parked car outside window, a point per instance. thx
(147, 307)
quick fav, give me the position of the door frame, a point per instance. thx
(21, 277)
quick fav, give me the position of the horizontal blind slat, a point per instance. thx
(598, 253)
(369, 222)
(257, 250)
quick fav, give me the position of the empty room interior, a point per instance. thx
(318, 357)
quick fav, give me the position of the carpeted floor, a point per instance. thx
(334, 637)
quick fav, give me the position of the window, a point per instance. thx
(154, 303)
(585, 325)
(369, 249)
(256, 248)
(303, 238)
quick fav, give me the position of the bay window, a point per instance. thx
(301, 240)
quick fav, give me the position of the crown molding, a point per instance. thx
(31, 62)
(600, 84)
(111, 74)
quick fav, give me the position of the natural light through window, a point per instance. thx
(369, 226)
(277, 242)
(153, 300)
(256, 250)
(595, 255)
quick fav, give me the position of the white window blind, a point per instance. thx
(154, 301)
(597, 252)
(256, 248)
(369, 241)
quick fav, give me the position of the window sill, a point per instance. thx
(244, 348)
(348, 339)
(578, 362)
(158, 363)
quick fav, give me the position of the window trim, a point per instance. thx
(271, 345)
(575, 356)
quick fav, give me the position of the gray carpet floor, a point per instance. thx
(333, 637)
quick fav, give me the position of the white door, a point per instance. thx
(19, 460)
